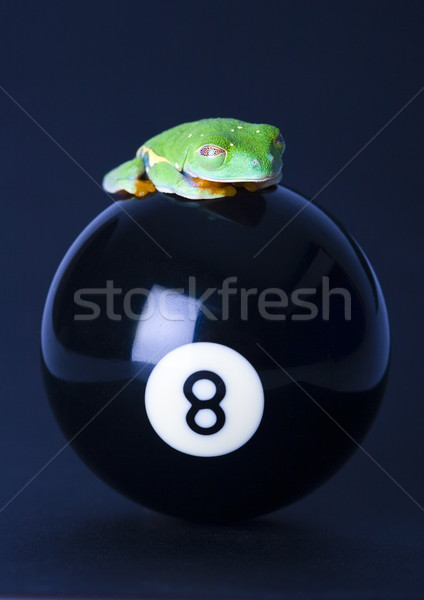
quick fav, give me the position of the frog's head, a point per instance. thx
(236, 152)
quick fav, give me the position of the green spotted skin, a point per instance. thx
(201, 159)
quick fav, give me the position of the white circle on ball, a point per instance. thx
(167, 406)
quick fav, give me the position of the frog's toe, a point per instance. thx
(229, 190)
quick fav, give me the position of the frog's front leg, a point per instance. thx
(126, 178)
(170, 180)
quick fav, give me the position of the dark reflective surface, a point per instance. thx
(100, 366)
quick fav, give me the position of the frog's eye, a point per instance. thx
(211, 150)
(211, 156)
(279, 141)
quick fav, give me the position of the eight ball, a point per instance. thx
(215, 360)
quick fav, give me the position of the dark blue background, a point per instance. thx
(100, 78)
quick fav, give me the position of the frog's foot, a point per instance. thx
(142, 187)
(213, 189)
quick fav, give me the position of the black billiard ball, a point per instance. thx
(215, 360)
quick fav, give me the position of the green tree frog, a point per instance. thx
(203, 159)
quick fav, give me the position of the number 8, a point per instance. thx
(213, 404)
